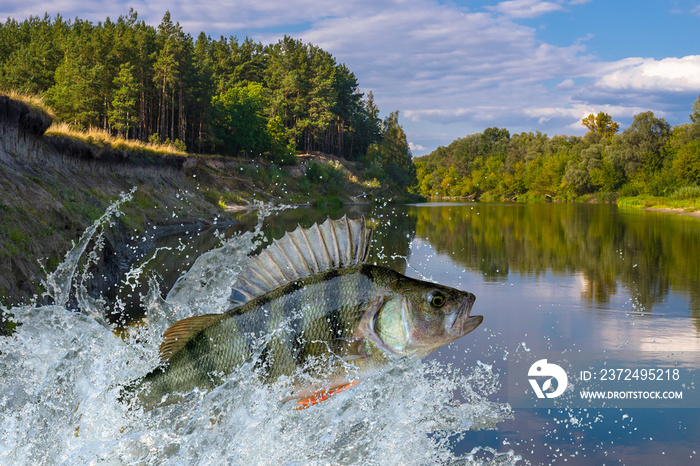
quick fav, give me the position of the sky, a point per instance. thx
(456, 67)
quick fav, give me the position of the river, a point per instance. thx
(552, 278)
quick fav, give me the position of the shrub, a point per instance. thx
(212, 195)
(686, 193)
(686, 164)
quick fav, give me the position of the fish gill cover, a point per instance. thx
(61, 370)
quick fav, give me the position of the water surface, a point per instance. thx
(565, 277)
(547, 277)
(562, 277)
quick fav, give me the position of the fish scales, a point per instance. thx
(338, 318)
(301, 320)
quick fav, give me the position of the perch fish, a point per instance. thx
(310, 300)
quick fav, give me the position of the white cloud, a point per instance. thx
(525, 8)
(438, 114)
(441, 62)
(577, 111)
(415, 147)
(668, 74)
(566, 84)
(453, 71)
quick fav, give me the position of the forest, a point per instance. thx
(236, 97)
(647, 159)
(226, 96)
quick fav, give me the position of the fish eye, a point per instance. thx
(436, 298)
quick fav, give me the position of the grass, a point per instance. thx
(34, 102)
(101, 138)
(232, 198)
(333, 201)
(686, 193)
(222, 199)
(93, 136)
(686, 198)
(212, 195)
(373, 183)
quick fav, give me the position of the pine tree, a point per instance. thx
(136, 80)
(124, 113)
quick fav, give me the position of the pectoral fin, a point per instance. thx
(182, 331)
(322, 395)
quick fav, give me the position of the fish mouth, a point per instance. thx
(464, 323)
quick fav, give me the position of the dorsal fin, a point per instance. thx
(182, 331)
(303, 252)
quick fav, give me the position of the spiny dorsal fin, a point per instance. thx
(303, 252)
(182, 331)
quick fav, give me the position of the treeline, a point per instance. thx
(220, 96)
(537, 239)
(648, 158)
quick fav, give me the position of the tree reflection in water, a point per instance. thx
(647, 253)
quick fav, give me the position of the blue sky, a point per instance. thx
(455, 67)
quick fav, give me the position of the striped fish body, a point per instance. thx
(317, 318)
(337, 324)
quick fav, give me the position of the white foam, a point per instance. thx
(60, 374)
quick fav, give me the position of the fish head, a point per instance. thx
(419, 317)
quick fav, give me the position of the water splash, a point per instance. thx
(58, 283)
(61, 372)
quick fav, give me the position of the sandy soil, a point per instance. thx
(674, 211)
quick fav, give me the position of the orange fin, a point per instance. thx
(322, 395)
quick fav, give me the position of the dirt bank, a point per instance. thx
(53, 188)
(695, 214)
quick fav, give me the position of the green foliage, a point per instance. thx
(232, 198)
(29, 53)
(601, 124)
(695, 116)
(333, 201)
(123, 114)
(647, 159)
(494, 142)
(391, 158)
(7, 327)
(281, 149)
(177, 144)
(686, 193)
(138, 82)
(577, 177)
(608, 176)
(659, 183)
(687, 163)
(212, 195)
(324, 173)
(641, 144)
(158, 83)
(240, 120)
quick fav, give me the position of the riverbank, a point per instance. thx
(54, 186)
(685, 201)
(685, 204)
(692, 213)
